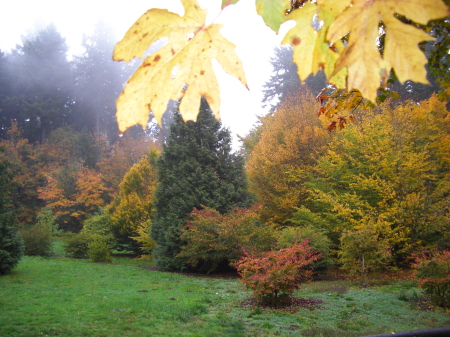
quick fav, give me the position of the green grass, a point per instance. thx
(67, 297)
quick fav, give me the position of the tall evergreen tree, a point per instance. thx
(285, 81)
(11, 244)
(196, 168)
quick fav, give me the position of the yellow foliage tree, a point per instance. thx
(387, 174)
(132, 209)
(290, 142)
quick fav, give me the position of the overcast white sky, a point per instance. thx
(243, 27)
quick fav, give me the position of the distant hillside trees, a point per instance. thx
(40, 96)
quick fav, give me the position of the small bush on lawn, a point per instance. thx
(434, 275)
(274, 276)
(98, 250)
(77, 245)
(100, 225)
(38, 238)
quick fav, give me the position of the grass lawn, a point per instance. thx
(66, 297)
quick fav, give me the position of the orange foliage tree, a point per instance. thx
(27, 166)
(118, 158)
(74, 193)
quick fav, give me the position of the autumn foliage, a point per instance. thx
(214, 240)
(74, 193)
(290, 141)
(131, 210)
(274, 276)
(434, 275)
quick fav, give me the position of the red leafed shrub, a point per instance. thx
(434, 275)
(274, 276)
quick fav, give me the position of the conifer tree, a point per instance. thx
(196, 169)
(11, 244)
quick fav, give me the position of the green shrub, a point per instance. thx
(11, 246)
(98, 250)
(214, 240)
(364, 250)
(47, 218)
(434, 275)
(318, 240)
(274, 276)
(39, 238)
(76, 245)
(144, 240)
(100, 224)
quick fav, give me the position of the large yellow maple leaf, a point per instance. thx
(273, 12)
(366, 68)
(311, 50)
(181, 69)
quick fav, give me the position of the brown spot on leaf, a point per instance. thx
(202, 72)
(142, 291)
(157, 58)
(296, 41)
(173, 51)
(145, 35)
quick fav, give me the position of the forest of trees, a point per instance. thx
(377, 188)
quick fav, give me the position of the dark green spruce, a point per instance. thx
(11, 244)
(197, 168)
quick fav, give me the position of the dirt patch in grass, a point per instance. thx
(226, 275)
(126, 255)
(151, 268)
(289, 304)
